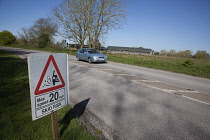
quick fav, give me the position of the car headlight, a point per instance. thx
(95, 57)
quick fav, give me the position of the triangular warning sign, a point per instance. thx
(51, 78)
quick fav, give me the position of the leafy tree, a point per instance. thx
(188, 53)
(185, 54)
(201, 55)
(42, 32)
(156, 53)
(43, 40)
(7, 37)
(172, 53)
(163, 52)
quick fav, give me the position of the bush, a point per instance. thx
(187, 63)
(7, 37)
(43, 40)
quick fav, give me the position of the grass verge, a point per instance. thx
(194, 67)
(15, 107)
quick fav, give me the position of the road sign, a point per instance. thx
(49, 83)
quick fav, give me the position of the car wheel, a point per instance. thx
(78, 58)
(89, 60)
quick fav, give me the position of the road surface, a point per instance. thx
(130, 102)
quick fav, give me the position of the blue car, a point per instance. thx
(91, 55)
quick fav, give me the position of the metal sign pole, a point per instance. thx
(54, 118)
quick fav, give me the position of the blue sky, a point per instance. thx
(154, 24)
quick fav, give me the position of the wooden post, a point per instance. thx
(54, 119)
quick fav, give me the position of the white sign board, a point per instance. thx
(49, 83)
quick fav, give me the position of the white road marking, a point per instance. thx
(136, 81)
(195, 100)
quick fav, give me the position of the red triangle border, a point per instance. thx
(37, 91)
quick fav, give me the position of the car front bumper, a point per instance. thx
(99, 60)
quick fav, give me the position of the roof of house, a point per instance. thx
(128, 49)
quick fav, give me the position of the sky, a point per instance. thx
(154, 24)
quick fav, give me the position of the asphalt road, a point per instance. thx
(140, 103)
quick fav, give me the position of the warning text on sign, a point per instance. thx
(49, 102)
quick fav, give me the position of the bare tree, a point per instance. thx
(70, 15)
(24, 35)
(94, 44)
(88, 19)
(107, 15)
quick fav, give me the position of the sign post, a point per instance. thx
(55, 130)
(49, 85)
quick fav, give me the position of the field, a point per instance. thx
(15, 108)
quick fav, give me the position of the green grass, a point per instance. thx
(15, 107)
(194, 67)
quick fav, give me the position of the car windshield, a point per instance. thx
(93, 51)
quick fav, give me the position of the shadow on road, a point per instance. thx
(22, 53)
(76, 112)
